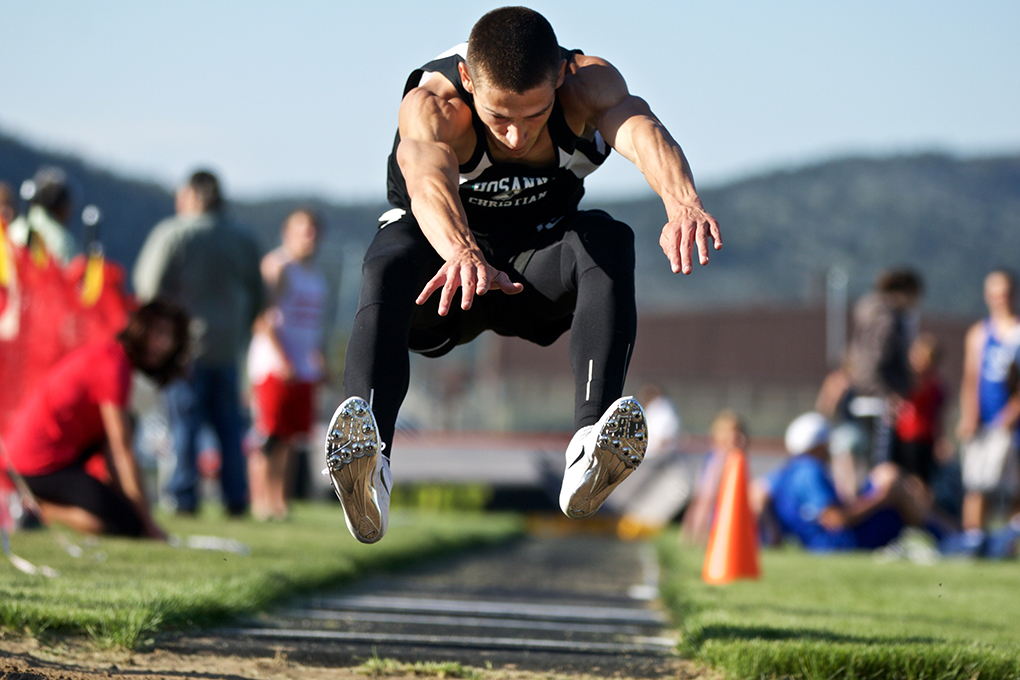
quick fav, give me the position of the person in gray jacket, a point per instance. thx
(209, 266)
(878, 368)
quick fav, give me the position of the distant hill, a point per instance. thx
(129, 206)
(952, 219)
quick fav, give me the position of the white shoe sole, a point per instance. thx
(358, 471)
(612, 450)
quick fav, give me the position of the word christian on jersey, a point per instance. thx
(506, 192)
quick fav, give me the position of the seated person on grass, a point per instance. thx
(728, 434)
(803, 501)
(78, 412)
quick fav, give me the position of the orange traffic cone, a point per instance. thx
(733, 543)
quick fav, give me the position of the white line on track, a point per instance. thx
(505, 609)
(467, 621)
(640, 645)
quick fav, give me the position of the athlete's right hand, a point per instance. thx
(468, 271)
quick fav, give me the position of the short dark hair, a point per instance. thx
(51, 192)
(903, 280)
(207, 188)
(135, 335)
(514, 49)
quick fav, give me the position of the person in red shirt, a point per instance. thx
(919, 420)
(79, 410)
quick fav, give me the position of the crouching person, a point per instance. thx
(803, 500)
(78, 411)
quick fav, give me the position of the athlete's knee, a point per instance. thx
(617, 233)
(620, 239)
(608, 243)
(394, 258)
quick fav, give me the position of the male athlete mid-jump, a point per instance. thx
(487, 170)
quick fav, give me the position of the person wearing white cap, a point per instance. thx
(803, 498)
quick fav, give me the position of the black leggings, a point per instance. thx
(74, 487)
(577, 276)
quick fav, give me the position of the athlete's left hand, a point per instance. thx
(689, 224)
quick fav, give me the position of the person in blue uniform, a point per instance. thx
(988, 421)
(803, 498)
(495, 138)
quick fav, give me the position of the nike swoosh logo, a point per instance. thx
(579, 457)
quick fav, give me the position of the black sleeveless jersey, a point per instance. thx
(507, 195)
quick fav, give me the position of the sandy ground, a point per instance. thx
(73, 659)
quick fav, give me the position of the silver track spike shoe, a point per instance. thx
(602, 455)
(359, 472)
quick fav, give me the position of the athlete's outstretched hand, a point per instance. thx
(688, 225)
(468, 271)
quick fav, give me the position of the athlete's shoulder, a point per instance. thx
(591, 84)
(587, 71)
(440, 75)
(435, 109)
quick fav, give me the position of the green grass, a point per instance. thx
(142, 588)
(441, 496)
(849, 616)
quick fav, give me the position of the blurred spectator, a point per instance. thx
(8, 206)
(285, 361)
(664, 425)
(656, 492)
(78, 411)
(919, 421)
(877, 359)
(728, 434)
(211, 267)
(848, 441)
(987, 428)
(803, 500)
(48, 213)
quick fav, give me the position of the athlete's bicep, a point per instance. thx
(612, 109)
(426, 164)
(428, 117)
(619, 124)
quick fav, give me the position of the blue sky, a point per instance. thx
(301, 97)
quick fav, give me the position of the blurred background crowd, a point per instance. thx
(860, 419)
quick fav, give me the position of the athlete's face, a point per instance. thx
(515, 121)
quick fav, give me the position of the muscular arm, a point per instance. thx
(838, 517)
(887, 489)
(430, 125)
(125, 467)
(627, 123)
